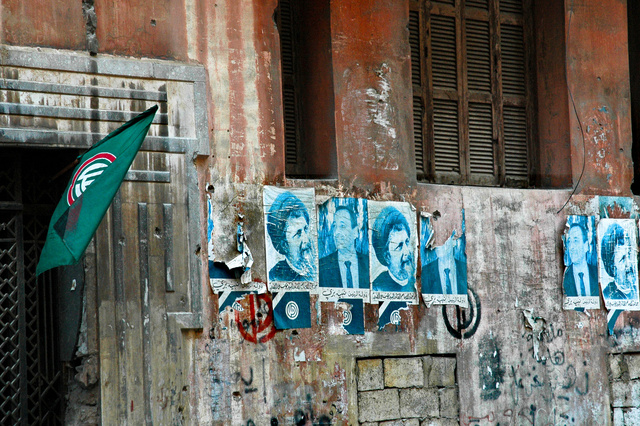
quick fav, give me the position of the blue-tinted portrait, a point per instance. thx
(444, 268)
(343, 243)
(291, 242)
(618, 262)
(394, 243)
(580, 258)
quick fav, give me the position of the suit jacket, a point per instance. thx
(330, 271)
(283, 272)
(611, 291)
(431, 282)
(570, 284)
(384, 282)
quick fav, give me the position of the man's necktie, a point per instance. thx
(583, 292)
(447, 281)
(349, 277)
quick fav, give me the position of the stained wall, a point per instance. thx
(519, 357)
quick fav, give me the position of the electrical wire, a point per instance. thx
(575, 111)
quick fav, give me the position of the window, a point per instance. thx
(472, 91)
(304, 27)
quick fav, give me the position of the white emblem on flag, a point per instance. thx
(87, 174)
(347, 318)
(291, 310)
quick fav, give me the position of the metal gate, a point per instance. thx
(31, 378)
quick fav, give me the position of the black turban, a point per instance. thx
(615, 236)
(389, 218)
(285, 205)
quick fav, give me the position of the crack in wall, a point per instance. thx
(91, 22)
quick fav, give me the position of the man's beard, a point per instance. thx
(405, 271)
(304, 262)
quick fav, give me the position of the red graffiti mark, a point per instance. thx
(255, 320)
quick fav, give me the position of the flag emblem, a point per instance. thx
(348, 317)
(91, 189)
(87, 173)
(292, 310)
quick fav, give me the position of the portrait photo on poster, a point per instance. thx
(444, 268)
(580, 279)
(394, 251)
(343, 247)
(618, 263)
(290, 238)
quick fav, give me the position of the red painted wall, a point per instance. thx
(51, 23)
(372, 82)
(598, 74)
(142, 28)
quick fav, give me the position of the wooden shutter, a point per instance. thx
(472, 116)
(291, 114)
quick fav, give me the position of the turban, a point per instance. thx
(284, 206)
(389, 218)
(615, 236)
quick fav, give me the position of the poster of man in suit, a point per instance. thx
(290, 240)
(618, 271)
(394, 251)
(580, 280)
(444, 268)
(343, 246)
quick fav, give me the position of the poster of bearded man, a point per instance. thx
(290, 238)
(394, 251)
(618, 260)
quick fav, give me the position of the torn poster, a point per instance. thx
(291, 309)
(353, 316)
(394, 240)
(290, 238)
(230, 298)
(580, 280)
(444, 268)
(234, 274)
(343, 247)
(389, 313)
(618, 259)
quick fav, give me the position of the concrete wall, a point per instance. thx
(520, 359)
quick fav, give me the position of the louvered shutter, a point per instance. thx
(289, 102)
(471, 117)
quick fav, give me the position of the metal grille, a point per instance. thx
(443, 52)
(31, 375)
(478, 55)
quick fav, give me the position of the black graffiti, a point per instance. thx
(467, 320)
(491, 371)
(247, 382)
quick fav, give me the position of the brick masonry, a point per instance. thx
(408, 391)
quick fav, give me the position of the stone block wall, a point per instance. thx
(625, 388)
(408, 391)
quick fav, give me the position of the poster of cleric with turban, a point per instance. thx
(444, 268)
(290, 228)
(394, 251)
(580, 280)
(618, 263)
(343, 248)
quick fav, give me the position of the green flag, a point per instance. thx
(93, 185)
